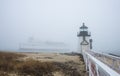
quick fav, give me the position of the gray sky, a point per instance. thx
(59, 20)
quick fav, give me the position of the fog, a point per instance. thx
(59, 21)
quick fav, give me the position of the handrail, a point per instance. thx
(112, 61)
(101, 64)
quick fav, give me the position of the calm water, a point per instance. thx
(44, 50)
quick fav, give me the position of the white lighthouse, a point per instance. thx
(85, 43)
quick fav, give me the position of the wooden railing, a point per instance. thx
(99, 64)
(112, 61)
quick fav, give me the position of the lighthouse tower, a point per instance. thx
(85, 43)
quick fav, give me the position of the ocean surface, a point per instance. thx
(44, 50)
